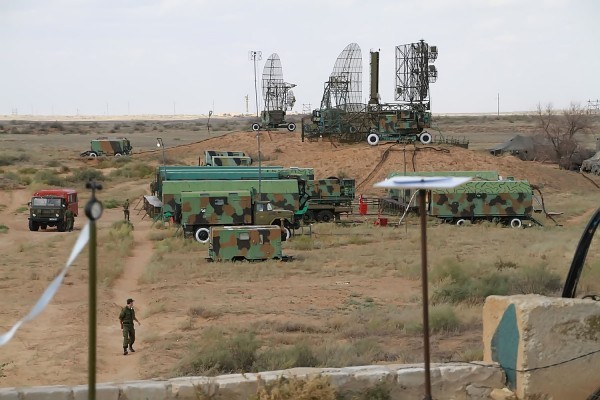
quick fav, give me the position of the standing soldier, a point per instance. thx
(70, 220)
(126, 210)
(126, 317)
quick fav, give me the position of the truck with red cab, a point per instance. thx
(47, 208)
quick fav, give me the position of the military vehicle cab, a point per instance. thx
(108, 147)
(250, 243)
(47, 208)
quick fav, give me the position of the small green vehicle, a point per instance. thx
(245, 243)
(109, 147)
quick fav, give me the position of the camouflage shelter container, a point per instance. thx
(253, 243)
(109, 147)
(507, 202)
(328, 199)
(230, 161)
(283, 193)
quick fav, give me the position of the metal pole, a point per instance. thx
(92, 315)
(424, 282)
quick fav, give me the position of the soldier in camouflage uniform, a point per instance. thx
(126, 317)
(126, 210)
(69, 219)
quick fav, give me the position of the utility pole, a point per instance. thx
(246, 97)
(498, 104)
(254, 55)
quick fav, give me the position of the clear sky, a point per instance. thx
(118, 57)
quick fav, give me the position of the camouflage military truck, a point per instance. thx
(252, 243)
(203, 210)
(505, 201)
(225, 158)
(328, 199)
(108, 147)
(47, 208)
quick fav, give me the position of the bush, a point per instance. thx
(86, 175)
(48, 177)
(442, 319)
(272, 359)
(3, 228)
(133, 170)
(297, 389)
(10, 159)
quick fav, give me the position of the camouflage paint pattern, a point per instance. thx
(402, 122)
(483, 199)
(331, 189)
(476, 175)
(222, 161)
(248, 242)
(283, 193)
(216, 208)
(209, 154)
(111, 146)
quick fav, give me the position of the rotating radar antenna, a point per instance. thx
(343, 90)
(277, 94)
(414, 72)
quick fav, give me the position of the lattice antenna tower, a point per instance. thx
(343, 90)
(277, 93)
(414, 72)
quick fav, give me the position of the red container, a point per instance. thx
(362, 208)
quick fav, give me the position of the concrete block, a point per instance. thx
(46, 393)
(9, 394)
(539, 341)
(103, 392)
(146, 390)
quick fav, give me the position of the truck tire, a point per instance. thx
(460, 222)
(93, 154)
(373, 139)
(33, 226)
(425, 138)
(308, 217)
(117, 154)
(325, 216)
(61, 226)
(255, 126)
(202, 235)
(516, 223)
(291, 127)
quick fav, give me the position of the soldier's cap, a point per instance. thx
(129, 301)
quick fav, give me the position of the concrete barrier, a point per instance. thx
(548, 347)
(452, 381)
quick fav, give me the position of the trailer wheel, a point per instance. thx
(286, 234)
(425, 137)
(515, 223)
(117, 154)
(93, 154)
(202, 235)
(325, 216)
(308, 217)
(460, 222)
(291, 127)
(373, 139)
(255, 126)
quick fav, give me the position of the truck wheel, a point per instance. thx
(61, 226)
(202, 235)
(373, 139)
(33, 226)
(117, 154)
(93, 154)
(43, 226)
(515, 223)
(308, 217)
(425, 137)
(255, 127)
(291, 127)
(460, 222)
(286, 234)
(325, 216)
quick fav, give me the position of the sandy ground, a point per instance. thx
(53, 348)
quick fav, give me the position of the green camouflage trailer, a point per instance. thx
(282, 193)
(253, 243)
(108, 147)
(506, 202)
(328, 199)
(201, 210)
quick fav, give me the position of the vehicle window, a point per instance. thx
(219, 202)
(259, 207)
(38, 202)
(245, 236)
(269, 206)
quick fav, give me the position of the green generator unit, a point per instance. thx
(250, 243)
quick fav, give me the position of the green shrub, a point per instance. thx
(3, 228)
(86, 175)
(48, 177)
(111, 203)
(442, 319)
(28, 171)
(10, 180)
(298, 355)
(135, 169)
(536, 280)
(10, 158)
